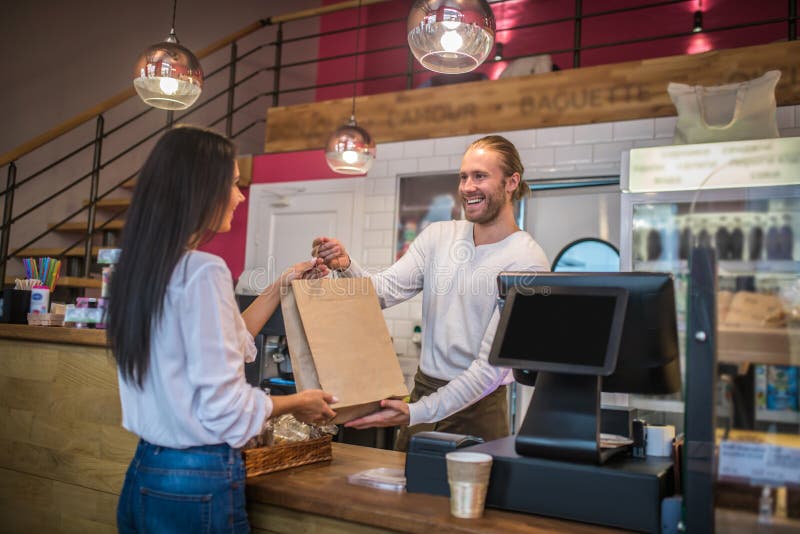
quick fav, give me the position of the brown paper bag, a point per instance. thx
(338, 341)
(754, 309)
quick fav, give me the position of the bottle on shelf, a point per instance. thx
(703, 235)
(773, 241)
(736, 243)
(722, 238)
(685, 238)
(755, 238)
(655, 246)
(786, 238)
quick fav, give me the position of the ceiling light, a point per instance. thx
(451, 36)
(168, 75)
(351, 149)
(498, 52)
(698, 22)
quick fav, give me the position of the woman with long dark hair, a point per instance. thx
(180, 344)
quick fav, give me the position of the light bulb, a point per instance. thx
(451, 41)
(168, 85)
(350, 156)
(350, 149)
(451, 36)
(168, 76)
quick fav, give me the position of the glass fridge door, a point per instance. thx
(755, 236)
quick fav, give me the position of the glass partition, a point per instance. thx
(739, 324)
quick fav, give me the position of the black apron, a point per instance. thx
(487, 418)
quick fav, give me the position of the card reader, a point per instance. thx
(426, 468)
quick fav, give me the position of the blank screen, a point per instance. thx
(559, 329)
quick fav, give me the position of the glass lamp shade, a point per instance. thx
(451, 36)
(168, 75)
(350, 149)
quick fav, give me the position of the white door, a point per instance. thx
(284, 218)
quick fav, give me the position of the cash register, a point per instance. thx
(574, 335)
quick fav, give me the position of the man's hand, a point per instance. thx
(305, 269)
(393, 413)
(331, 252)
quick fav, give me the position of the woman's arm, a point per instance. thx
(262, 308)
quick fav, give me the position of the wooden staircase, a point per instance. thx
(76, 227)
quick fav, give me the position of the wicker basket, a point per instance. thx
(263, 460)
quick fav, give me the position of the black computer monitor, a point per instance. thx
(582, 333)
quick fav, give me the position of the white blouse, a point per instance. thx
(195, 392)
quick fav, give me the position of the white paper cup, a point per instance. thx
(468, 476)
(659, 440)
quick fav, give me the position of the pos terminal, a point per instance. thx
(578, 334)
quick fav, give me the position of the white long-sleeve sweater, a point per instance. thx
(459, 308)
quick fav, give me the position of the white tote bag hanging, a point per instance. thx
(731, 112)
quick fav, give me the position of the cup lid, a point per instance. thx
(471, 457)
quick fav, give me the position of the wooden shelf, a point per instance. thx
(83, 226)
(727, 267)
(773, 346)
(110, 203)
(54, 334)
(54, 252)
(69, 281)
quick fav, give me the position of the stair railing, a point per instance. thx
(11, 159)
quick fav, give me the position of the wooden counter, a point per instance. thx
(63, 456)
(317, 498)
(55, 334)
(63, 451)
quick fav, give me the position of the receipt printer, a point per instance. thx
(426, 468)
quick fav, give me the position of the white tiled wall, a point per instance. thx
(584, 149)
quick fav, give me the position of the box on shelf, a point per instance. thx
(45, 319)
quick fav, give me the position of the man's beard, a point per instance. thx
(495, 201)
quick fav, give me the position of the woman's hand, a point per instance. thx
(313, 407)
(305, 269)
(331, 252)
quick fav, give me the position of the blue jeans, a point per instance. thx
(200, 489)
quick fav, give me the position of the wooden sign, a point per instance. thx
(621, 91)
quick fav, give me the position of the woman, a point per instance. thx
(180, 344)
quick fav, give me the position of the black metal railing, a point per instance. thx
(233, 68)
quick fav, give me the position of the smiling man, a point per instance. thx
(455, 265)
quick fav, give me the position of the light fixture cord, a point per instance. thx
(174, 9)
(355, 58)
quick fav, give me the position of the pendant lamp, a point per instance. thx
(451, 36)
(351, 149)
(697, 27)
(168, 75)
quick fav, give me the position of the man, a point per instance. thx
(455, 265)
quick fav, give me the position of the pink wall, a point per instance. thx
(557, 38)
(231, 245)
(554, 38)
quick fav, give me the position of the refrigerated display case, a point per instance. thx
(739, 202)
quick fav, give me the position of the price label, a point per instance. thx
(760, 463)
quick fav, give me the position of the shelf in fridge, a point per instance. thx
(778, 416)
(734, 267)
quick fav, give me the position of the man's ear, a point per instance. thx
(512, 182)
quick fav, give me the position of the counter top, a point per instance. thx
(54, 334)
(322, 491)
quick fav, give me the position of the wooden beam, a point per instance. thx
(622, 91)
